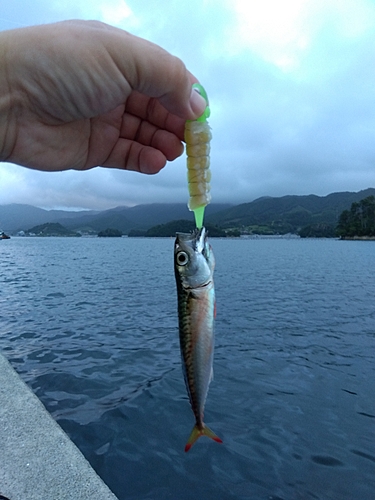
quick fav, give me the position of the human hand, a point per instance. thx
(79, 94)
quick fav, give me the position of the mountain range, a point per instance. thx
(278, 215)
(18, 217)
(289, 213)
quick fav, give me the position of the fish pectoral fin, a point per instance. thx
(196, 433)
(211, 375)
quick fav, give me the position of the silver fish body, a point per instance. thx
(194, 267)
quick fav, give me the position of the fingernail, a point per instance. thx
(197, 103)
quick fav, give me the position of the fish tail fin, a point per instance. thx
(196, 433)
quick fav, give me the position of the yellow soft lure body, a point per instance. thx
(197, 137)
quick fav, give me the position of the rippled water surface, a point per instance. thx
(91, 325)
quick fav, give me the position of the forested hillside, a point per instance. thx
(359, 220)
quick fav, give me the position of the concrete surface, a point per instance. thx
(37, 459)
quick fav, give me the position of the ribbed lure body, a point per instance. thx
(197, 137)
(194, 266)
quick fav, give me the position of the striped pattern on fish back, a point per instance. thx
(196, 318)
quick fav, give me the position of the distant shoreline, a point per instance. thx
(358, 238)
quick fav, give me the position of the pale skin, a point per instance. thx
(81, 94)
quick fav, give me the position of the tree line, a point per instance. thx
(359, 220)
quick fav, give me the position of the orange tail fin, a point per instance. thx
(196, 433)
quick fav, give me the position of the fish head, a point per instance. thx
(194, 259)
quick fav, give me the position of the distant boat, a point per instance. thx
(4, 236)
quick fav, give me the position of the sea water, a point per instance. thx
(91, 325)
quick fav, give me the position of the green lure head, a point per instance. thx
(200, 89)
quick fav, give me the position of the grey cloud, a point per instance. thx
(317, 135)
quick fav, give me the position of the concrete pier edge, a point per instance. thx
(38, 461)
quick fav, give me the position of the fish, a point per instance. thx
(194, 264)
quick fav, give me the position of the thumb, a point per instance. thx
(153, 71)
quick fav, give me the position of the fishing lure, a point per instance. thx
(197, 138)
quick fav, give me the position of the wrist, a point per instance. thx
(7, 104)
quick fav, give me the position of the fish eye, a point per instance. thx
(182, 258)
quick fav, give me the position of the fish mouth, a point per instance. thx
(197, 238)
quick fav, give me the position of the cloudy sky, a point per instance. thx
(292, 95)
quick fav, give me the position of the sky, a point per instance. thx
(292, 95)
